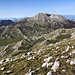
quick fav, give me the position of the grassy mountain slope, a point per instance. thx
(29, 56)
(41, 45)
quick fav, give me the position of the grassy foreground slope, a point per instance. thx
(38, 60)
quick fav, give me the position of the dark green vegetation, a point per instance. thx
(63, 36)
(4, 42)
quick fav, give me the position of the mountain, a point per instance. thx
(13, 19)
(37, 25)
(5, 22)
(70, 17)
(40, 45)
(51, 21)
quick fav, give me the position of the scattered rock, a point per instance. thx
(64, 56)
(72, 46)
(67, 48)
(72, 62)
(49, 73)
(57, 47)
(47, 59)
(67, 61)
(50, 64)
(46, 64)
(30, 53)
(63, 71)
(3, 60)
(31, 57)
(8, 72)
(73, 52)
(3, 68)
(55, 66)
(30, 72)
(47, 55)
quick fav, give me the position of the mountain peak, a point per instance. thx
(43, 14)
(49, 16)
(53, 20)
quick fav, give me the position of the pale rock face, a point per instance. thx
(64, 56)
(8, 71)
(57, 58)
(38, 74)
(40, 50)
(72, 62)
(37, 68)
(29, 73)
(67, 48)
(7, 60)
(55, 66)
(47, 59)
(3, 60)
(67, 61)
(50, 64)
(17, 45)
(48, 17)
(49, 73)
(57, 47)
(30, 53)
(3, 68)
(63, 70)
(31, 57)
(47, 55)
(73, 52)
(58, 17)
(72, 46)
(46, 64)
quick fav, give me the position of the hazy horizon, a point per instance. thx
(28, 8)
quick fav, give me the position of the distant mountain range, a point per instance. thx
(13, 19)
(70, 17)
(37, 25)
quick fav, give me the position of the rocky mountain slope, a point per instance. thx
(37, 25)
(31, 47)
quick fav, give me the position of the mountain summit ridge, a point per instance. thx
(51, 20)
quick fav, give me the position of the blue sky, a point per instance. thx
(27, 8)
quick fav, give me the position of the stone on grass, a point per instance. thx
(55, 66)
(47, 59)
(49, 73)
(3, 68)
(72, 62)
(8, 72)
